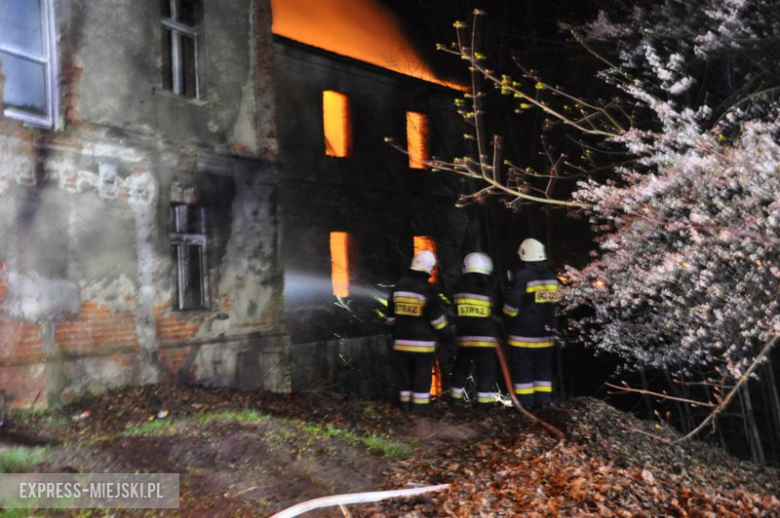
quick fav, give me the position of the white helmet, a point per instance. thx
(424, 261)
(531, 250)
(477, 262)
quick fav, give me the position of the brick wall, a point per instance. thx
(96, 327)
(175, 326)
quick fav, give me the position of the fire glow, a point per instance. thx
(339, 257)
(336, 122)
(359, 29)
(417, 139)
(426, 243)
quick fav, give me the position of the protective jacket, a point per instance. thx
(530, 305)
(416, 313)
(474, 297)
(476, 335)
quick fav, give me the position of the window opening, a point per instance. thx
(339, 259)
(180, 33)
(336, 124)
(417, 140)
(189, 244)
(28, 57)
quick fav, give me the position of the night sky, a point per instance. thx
(527, 29)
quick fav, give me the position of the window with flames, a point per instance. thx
(337, 126)
(417, 140)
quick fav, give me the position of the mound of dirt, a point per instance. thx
(609, 464)
(237, 452)
(625, 441)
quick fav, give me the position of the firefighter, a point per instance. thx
(530, 305)
(476, 337)
(416, 314)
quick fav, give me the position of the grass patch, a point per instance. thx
(39, 416)
(19, 459)
(159, 427)
(385, 446)
(15, 513)
(149, 428)
(30, 413)
(244, 416)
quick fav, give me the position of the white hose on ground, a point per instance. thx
(354, 498)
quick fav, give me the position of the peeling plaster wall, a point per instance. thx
(87, 273)
(142, 195)
(33, 297)
(250, 255)
(117, 46)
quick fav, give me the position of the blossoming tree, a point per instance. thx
(687, 275)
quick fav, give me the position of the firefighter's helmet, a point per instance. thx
(424, 261)
(531, 250)
(477, 262)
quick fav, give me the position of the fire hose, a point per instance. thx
(508, 380)
(354, 498)
(376, 496)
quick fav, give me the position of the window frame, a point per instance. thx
(180, 239)
(178, 30)
(49, 62)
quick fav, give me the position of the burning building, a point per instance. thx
(184, 198)
(354, 209)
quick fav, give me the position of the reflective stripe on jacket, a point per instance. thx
(416, 313)
(530, 306)
(475, 304)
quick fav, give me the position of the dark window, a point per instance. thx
(181, 21)
(188, 242)
(27, 59)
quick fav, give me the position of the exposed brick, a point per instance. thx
(173, 325)
(94, 327)
(70, 75)
(22, 385)
(20, 341)
(171, 362)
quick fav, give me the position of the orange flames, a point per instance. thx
(417, 139)
(339, 258)
(358, 29)
(436, 379)
(426, 243)
(336, 121)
